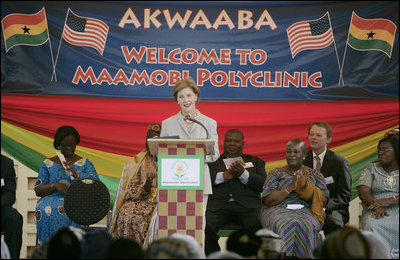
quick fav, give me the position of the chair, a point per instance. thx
(86, 202)
(228, 229)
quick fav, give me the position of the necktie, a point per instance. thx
(318, 165)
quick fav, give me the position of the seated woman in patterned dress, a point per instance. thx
(378, 188)
(55, 176)
(134, 211)
(293, 198)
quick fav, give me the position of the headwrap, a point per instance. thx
(224, 255)
(392, 132)
(153, 129)
(176, 246)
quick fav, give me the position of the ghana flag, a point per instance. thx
(371, 34)
(25, 29)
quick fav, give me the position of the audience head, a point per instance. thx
(244, 243)
(379, 248)
(94, 243)
(186, 83)
(296, 151)
(66, 139)
(319, 136)
(233, 143)
(40, 251)
(124, 248)
(345, 243)
(176, 246)
(224, 255)
(64, 245)
(271, 247)
(388, 150)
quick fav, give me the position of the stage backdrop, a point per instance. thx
(267, 68)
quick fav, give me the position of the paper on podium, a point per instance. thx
(154, 142)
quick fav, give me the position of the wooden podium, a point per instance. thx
(180, 185)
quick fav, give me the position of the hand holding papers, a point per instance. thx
(229, 161)
(235, 167)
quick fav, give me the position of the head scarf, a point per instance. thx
(394, 132)
(153, 129)
(176, 246)
(224, 255)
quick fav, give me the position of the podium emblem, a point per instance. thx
(180, 169)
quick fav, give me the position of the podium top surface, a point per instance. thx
(154, 142)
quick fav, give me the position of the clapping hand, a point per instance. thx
(299, 179)
(236, 169)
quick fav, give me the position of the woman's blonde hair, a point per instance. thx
(186, 83)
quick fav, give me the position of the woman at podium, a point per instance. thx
(189, 123)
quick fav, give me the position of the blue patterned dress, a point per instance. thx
(49, 209)
(383, 185)
(298, 228)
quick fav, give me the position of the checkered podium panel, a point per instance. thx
(181, 210)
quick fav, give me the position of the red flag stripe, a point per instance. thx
(76, 38)
(81, 41)
(315, 43)
(299, 26)
(325, 42)
(90, 31)
(94, 34)
(301, 37)
(99, 35)
(98, 25)
(27, 19)
(373, 24)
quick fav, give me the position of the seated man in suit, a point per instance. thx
(236, 190)
(11, 219)
(336, 171)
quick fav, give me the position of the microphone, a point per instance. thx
(187, 117)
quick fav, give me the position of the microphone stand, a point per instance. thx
(187, 117)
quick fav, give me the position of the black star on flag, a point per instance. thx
(370, 35)
(26, 29)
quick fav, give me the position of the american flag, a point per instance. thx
(311, 34)
(85, 31)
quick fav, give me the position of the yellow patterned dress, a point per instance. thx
(135, 204)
